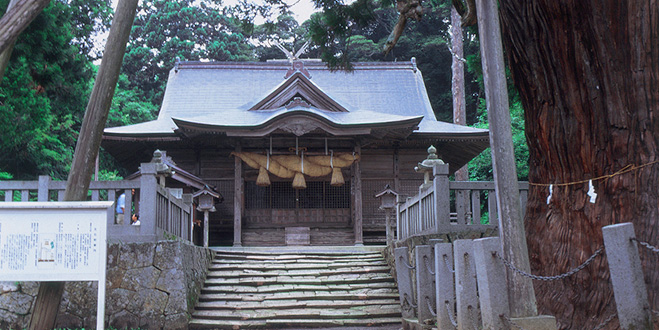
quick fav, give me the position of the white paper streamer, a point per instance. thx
(591, 191)
(551, 192)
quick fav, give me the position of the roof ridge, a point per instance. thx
(285, 65)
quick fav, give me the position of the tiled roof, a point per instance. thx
(222, 94)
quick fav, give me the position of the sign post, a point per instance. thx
(55, 241)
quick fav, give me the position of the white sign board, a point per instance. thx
(55, 241)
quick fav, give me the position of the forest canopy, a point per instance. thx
(51, 71)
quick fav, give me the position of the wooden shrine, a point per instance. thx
(291, 144)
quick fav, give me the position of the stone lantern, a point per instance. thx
(388, 201)
(206, 199)
(427, 165)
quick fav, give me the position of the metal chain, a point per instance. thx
(647, 245)
(425, 261)
(608, 319)
(447, 264)
(450, 314)
(408, 302)
(402, 260)
(507, 319)
(550, 278)
(474, 318)
(430, 308)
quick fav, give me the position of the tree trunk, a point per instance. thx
(89, 141)
(587, 74)
(6, 54)
(16, 19)
(458, 82)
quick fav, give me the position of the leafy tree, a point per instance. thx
(190, 30)
(44, 92)
(127, 108)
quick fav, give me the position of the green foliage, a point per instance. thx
(190, 30)
(284, 30)
(331, 29)
(5, 176)
(126, 107)
(45, 88)
(480, 168)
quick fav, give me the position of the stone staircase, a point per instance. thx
(297, 287)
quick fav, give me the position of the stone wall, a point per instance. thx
(149, 285)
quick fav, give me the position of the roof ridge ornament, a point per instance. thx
(294, 59)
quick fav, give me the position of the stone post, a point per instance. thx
(626, 270)
(148, 199)
(466, 292)
(425, 289)
(42, 193)
(444, 285)
(492, 289)
(404, 282)
(442, 197)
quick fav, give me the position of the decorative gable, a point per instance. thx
(298, 90)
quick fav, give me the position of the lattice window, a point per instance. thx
(281, 195)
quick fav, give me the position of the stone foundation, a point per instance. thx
(149, 285)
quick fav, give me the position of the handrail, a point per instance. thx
(459, 206)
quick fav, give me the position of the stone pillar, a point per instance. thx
(42, 193)
(492, 289)
(626, 270)
(444, 282)
(425, 289)
(404, 282)
(466, 292)
(442, 196)
(148, 200)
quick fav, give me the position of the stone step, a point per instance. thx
(293, 303)
(316, 280)
(240, 256)
(288, 323)
(274, 289)
(304, 295)
(391, 310)
(295, 261)
(285, 287)
(232, 273)
(275, 266)
(305, 250)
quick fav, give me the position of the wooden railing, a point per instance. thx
(161, 214)
(444, 206)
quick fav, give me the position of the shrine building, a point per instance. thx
(292, 145)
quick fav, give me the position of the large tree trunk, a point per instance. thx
(458, 83)
(587, 74)
(89, 141)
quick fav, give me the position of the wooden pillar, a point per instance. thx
(357, 175)
(206, 228)
(237, 200)
(511, 224)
